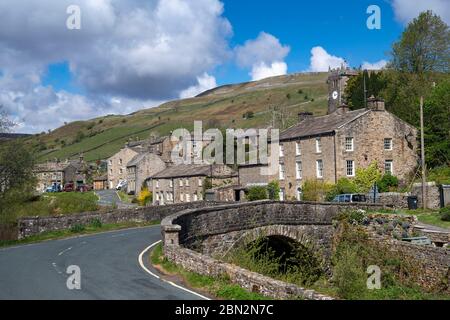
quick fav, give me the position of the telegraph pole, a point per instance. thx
(424, 168)
(365, 90)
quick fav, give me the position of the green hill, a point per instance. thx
(222, 107)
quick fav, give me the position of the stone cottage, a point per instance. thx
(140, 168)
(188, 183)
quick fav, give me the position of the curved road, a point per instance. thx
(108, 262)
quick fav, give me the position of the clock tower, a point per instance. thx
(337, 82)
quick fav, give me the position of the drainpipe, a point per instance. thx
(335, 159)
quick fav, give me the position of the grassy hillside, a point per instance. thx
(222, 107)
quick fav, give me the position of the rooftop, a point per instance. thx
(184, 170)
(316, 126)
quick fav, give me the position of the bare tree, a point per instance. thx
(5, 123)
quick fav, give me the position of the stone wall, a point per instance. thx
(251, 281)
(432, 192)
(30, 226)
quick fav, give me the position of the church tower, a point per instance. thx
(337, 82)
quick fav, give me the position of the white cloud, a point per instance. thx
(205, 82)
(135, 51)
(407, 10)
(374, 66)
(321, 60)
(262, 71)
(264, 55)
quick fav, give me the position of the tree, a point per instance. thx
(437, 125)
(274, 190)
(257, 194)
(5, 123)
(424, 46)
(375, 83)
(16, 173)
(366, 178)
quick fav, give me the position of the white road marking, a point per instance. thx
(56, 268)
(64, 251)
(141, 263)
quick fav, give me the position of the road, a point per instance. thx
(108, 263)
(110, 198)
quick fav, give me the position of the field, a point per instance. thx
(223, 107)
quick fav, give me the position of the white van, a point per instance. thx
(122, 185)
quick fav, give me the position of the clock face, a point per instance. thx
(335, 95)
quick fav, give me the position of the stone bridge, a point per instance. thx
(196, 238)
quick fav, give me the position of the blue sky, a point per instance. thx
(134, 54)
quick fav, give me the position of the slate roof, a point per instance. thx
(184, 170)
(317, 126)
(51, 167)
(136, 159)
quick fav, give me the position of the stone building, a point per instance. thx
(140, 168)
(117, 164)
(337, 82)
(55, 172)
(334, 146)
(188, 183)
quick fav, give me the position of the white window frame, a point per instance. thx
(391, 163)
(195, 197)
(181, 182)
(349, 144)
(170, 183)
(186, 182)
(282, 172)
(391, 144)
(299, 193)
(318, 145)
(319, 169)
(157, 183)
(188, 197)
(181, 197)
(350, 165)
(200, 182)
(282, 194)
(281, 150)
(298, 148)
(299, 170)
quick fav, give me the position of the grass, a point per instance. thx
(430, 217)
(124, 197)
(222, 288)
(54, 204)
(77, 230)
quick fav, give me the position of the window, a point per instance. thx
(388, 144)
(111, 171)
(298, 149)
(349, 144)
(110, 162)
(188, 197)
(157, 183)
(282, 194)
(120, 171)
(170, 183)
(157, 197)
(120, 162)
(350, 168)
(281, 150)
(389, 167)
(181, 197)
(181, 182)
(299, 194)
(319, 168)
(200, 196)
(318, 145)
(282, 172)
(200, 182)
(195, 198)
(298, 167)
(187, 182)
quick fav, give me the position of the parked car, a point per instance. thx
(69, 187)
(121, 185)
(84, 188)
(53, 188)
(350, 198)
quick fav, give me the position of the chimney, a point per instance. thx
(343, 108)
(375, 104)
(81, 157)
(302, 116)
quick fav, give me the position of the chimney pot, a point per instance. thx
(376, 104)
(343, 108)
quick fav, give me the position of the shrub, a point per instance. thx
(445, 213)
(77, 228)
(366, 178)
(343, 186)
(144, 197)
(96, 223)
(387, 183)
(315, 190)
(274, 190)
(257, 194)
